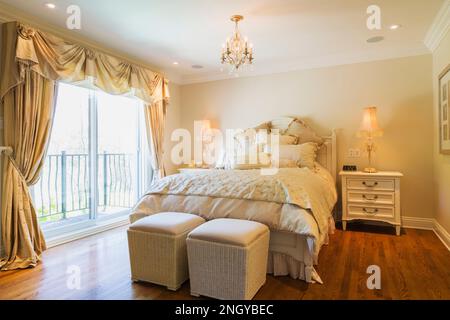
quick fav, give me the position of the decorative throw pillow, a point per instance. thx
(251, 140)
(303, 154)
(287, 163)
(265, 125)
(304, 133)
(287, 139)
(246, 137)
(282, 124)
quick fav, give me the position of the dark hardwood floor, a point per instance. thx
(415, 265)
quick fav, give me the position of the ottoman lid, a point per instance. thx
(229, 231)
(172, 223)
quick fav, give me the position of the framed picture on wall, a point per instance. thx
(444, 111)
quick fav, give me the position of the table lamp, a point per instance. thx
(369, 130)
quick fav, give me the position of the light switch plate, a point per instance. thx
(354, 153)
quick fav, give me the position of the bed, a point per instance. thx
(297, 204)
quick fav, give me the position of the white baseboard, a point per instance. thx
(72, 236)
(418, 223)
(428, 224)
(442, 234)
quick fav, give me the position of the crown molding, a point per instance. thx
(5, 16)
(311, 63)
(8, 13)
(2, 18)
(439, 27)
(437, 31)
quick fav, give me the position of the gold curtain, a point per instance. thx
(155, 118)
(32, 61)
(57, 59)
(28, 114)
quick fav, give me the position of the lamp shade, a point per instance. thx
(369, 124)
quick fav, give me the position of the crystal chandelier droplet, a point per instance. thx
(237, 52)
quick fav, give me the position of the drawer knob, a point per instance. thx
(370, 185)
(370, 210)
(375, 197)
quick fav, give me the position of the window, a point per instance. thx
(94, 169)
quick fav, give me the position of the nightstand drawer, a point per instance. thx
(371, 184)
(370, 211)
(386, 198)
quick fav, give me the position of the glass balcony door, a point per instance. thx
(94, 169)
(118, 153)
(63, 190)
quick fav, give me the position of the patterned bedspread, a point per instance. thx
(313, 190)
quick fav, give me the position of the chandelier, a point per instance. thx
(237, 51)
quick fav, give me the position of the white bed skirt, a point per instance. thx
(295, 255)
(280, 264)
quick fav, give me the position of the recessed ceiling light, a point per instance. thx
(394, 26)
(175, 63)
(197, 66)
(375, 39)
(50, 5)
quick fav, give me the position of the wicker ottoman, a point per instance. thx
(228, 258)
(157, 245)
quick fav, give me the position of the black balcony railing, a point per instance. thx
(64, 186)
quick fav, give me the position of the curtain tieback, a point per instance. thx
(16, 166)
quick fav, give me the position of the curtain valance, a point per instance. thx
(57, 59)
(31, 62)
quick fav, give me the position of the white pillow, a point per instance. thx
(281, 124)
(303, 154)
(304, 133)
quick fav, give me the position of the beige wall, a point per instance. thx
(173, 121)
(441, 58)
(333, 98)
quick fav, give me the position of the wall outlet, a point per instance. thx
(354, 153)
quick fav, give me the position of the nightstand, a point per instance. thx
(371, 196)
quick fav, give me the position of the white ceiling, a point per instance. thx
(287, 34)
